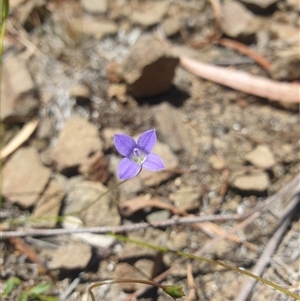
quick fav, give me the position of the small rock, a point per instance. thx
(50, 202)
(259, 6)
(117, 91)
(142, 269)
(149, 68)
(95, 169)
(158, 216)
(261, 157)
(74, 255)
(295, 4)
(286, 65)
(178, 241)
(171, 26)
(150, 14)
(170, 125)
(151, 178)
(107, 135)
(238, 22)
(81, 93)
(95, 28)
(284, 32)
(186, 198)
(24, 177)
(77, 144)
(45, 128)
(19, 100)
(102, 213)
(216, 162)
(95, 6)
(256, 182)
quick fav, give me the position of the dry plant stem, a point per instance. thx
(122, 228)
(264, 259)
(293, 187)
(148, 282)
(259, 59)
(19, 139)
(243, 81)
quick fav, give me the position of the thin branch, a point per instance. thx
(265, 257)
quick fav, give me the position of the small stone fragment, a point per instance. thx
(50, 202)
(238, 22)
(186, 198)
(102, 213)
(150, 14)
(24, 177)
(95, 28)
(286, 65)
(171, 26)
(158, 216)
(107, 135)
(261, 157)
(78, 143)
(256, 182)
(117, 91)
(168, 120)
(81, 93)
(216, 162)
(19, 99)
(149, 68)
(95, 6)
(74, 255)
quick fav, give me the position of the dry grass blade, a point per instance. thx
(20, 138)
(243, 81)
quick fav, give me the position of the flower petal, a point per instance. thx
(124, 144)
(128, 169)
(154, 162)
(147, 140)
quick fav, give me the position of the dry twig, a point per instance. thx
(243, 81)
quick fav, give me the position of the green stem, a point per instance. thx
(210, 261)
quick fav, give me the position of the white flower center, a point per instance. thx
(138, 156)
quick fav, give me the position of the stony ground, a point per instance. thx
(75, 73)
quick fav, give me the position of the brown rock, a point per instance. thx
(186, 198)
(237, 21)
(216, 162)
(149, 68)
(256, 182)
(261, 157)
(74, 255)
(117, 91)
(102, 213)
(95, 6)
(24, 177)
(19, 101)
(286, 65)
(295, 4)
(171, 26)
(140, 270)
(150, 13)
(95, 28)
(78, 143)
(81, 93)
(50, 202)
(170, 125)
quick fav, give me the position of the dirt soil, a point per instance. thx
(226, 152)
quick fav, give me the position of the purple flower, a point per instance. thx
(137, 155)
